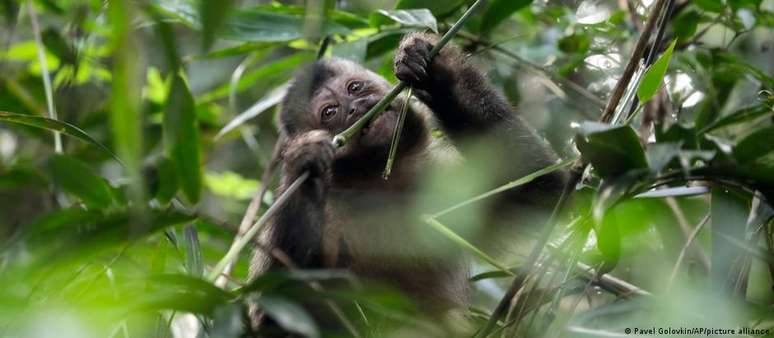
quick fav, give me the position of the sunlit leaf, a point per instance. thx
(406, 17)
(674, 192)
(55, 125)
(78, 178)
(181, 138)
(654, 76)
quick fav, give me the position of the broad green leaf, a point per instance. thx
(352, 50)
(213, 14)
(438, 8)
(18, 177)
(407, 17)
(228, 321)
(654, 76)
(755, 145)
(499, 10)
(258, 24)
(78, 179)
(659, 155)
(55, 125)
(612, 151)
(181, 138)
(289, 315)
(277, 70)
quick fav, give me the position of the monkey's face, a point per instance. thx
(338, 93)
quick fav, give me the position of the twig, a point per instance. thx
(44, 73)
(687, 244)
(241, 242)
(252, 211)
(634, 62)
(342, 138)
(396, 136)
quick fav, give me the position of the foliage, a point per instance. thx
(165, 107)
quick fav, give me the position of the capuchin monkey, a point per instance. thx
(347, 216)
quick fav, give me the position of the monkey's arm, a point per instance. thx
(468, 107)
(298, 228)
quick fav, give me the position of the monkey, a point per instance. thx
(347, 216)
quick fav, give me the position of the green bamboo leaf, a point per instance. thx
(193, 251)
(78, 178)
(167, 178)
(743, 115)
(454, 237)
(181, 138)
(213, 15)
(653, 77)
(55, 125)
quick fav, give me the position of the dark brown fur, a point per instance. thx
(347, 216)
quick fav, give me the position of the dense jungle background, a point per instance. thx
(134, 135)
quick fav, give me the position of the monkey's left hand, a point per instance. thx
(412, 60)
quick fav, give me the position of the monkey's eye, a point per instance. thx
(354, 86)
(328, 112)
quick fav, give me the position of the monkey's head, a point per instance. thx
(332, 94)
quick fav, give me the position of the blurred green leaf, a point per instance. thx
(213, 15)
(498, 11)
(352, 50)
(575, 43)
(167, 181)
(609, 241)
(289, 315)
(275, 70)
(55, 125)
(422, 18)
(747, 114)
(78, 178)
(715, 6)
(438, 8)
(660, 154)
(729, 209)
(757, 144)
(654, 76)
(228, 322)
(56, 43)
(181, 138)
(685, 24)
(258, 24)
(611, 150)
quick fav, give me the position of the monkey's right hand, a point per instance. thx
(312, 152)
